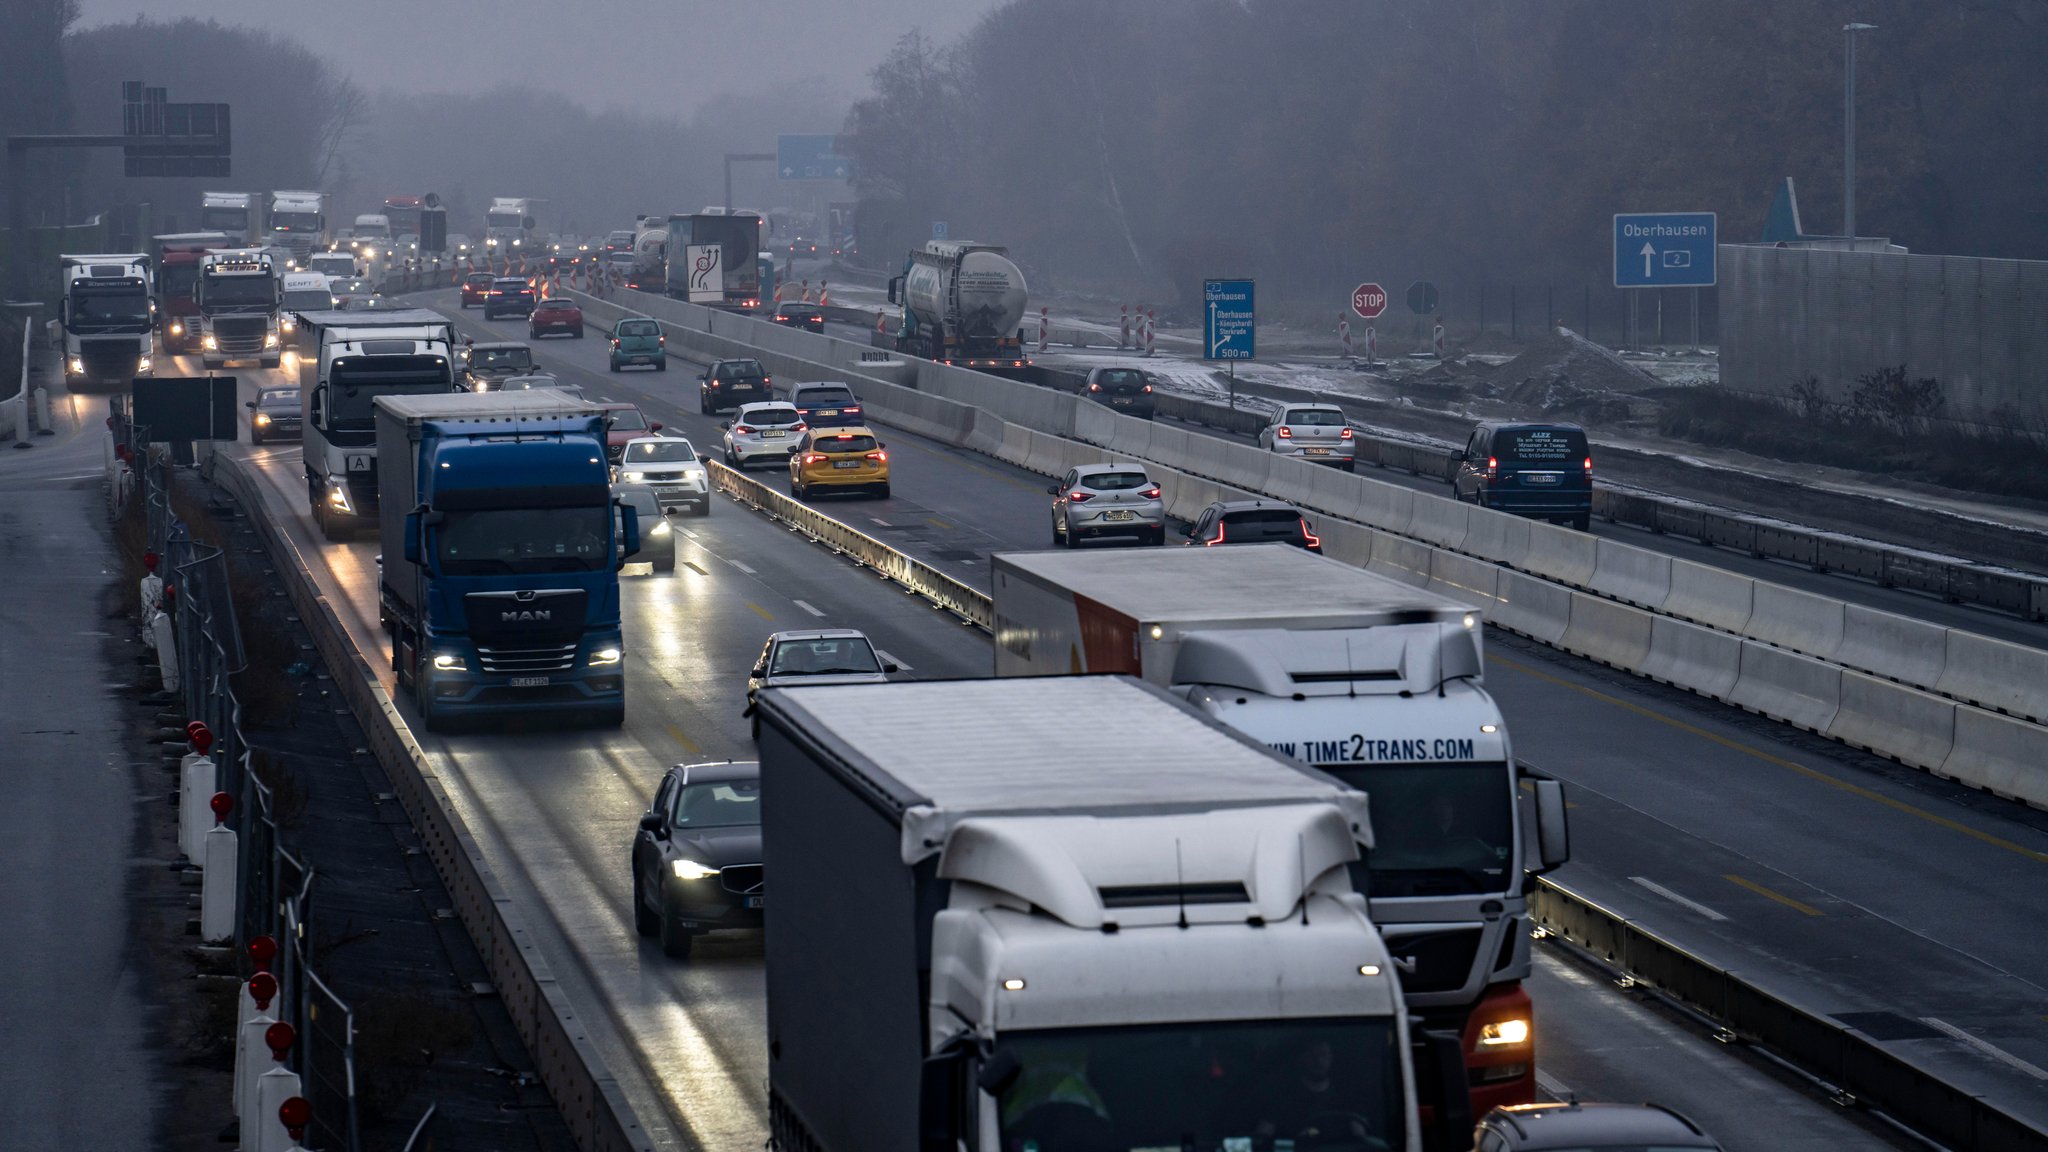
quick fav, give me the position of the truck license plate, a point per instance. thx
(529, 681)
(757, 901)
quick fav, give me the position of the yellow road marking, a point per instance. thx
(763, 613)
(688, 744)
(1787, 901)
(1780, 761)
(692, 566)
(935, 522)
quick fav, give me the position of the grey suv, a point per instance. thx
(731, 383)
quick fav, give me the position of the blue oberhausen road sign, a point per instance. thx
(1664, 250)
(810, 158)
(1229, 323)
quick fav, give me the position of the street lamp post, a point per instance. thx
(1849, 32)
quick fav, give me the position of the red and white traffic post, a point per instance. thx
(1044, 322)
(1151, 320)
(824, 295)
(217, 885)
(263, 1129)
(1436, 338)
(1344, 335)
(1123, 332)
(198, 780)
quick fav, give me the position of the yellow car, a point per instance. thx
(829, 459)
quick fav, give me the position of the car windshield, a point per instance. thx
(1440, 829)
(659, 452)
(1262, 524)
(832, 655)
(771, 417)
(627, 420)
(278, 398)
(1314, 418)
(1207, 1087)
(354, 287)
(1115, 481)
(638, 328)
(487, 541)
(825, 397)
(317, 300)
(518, 382)
(800, 312)
(1121, 378)
(501, 358)
(844, 443)
(513, 286)
(718, 804)
(1540, 445)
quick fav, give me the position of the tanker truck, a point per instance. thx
(962, 303)
(649, 270)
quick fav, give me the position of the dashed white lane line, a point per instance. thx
(806, 607)
(888, 659)
(741, 567)
(882, 522)
(1675, 898)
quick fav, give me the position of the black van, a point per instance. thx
(1540, 470)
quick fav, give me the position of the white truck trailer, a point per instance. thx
(1373, 681)
(1066, 913)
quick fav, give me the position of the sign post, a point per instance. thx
(1229, 325)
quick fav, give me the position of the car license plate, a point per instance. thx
(1539, 477)
(529, 681)
(1317, 451)
(1119, 515)
(824, 412)
(846, 463)
(757, 901)
(773, 434)
(1122, 401)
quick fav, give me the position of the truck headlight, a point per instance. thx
(270, 339)
(76, 366)
(142, 364)
(1503, 1034)
(206, 342)
(691, 870)
(289, 325)
(337, 497)
(604, 657)
(449, 662)
(177, 329)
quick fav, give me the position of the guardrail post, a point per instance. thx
(255, 1019)
(217, 887)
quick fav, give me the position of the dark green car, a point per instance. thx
(639, 341)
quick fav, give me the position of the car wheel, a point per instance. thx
(255, 437)
(612, 717)
(614, 365)
(704, 509)
(676, 936)
(1583, 521)
(704, 405)
(1158, 537)
(1350, 467)
(882, 492)
(646, 921)
(1057, 539)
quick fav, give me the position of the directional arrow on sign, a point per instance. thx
(1649, 254)
(788, 172)
(1221, 340)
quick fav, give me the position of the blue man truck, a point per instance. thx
(502, 547)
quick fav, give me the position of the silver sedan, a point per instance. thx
(1101, 500)
(767, 430)
(1318, 433)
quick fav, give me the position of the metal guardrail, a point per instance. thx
(971, 606)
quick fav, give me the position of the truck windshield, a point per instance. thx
(295, 221)
(1439, 829)
(1332, 1085)
(494, 541)
(352, 390)
(178, 279)
(121, 306)
(505, 220)
(240, 291)
(223, 219)
(317, 300)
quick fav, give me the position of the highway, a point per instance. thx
(1870, 887)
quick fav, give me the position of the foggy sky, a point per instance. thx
(646, 55)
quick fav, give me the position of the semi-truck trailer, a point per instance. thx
(502, 548)
(1068, 913)
(347, 360)
(238, 294)
(711, 259)
(403, 213)
(961, 304)
(649, 269)
(1375, 682)
(509, 227)
(234, 213)
(298, 224)
(177, 284)
(108, 316)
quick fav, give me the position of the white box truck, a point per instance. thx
(1067, 913)
(346, 361)
(1373, 681)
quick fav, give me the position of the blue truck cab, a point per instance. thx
(502, 547)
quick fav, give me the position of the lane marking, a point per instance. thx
(1987, 1048)
(888, 659)
(1791, 765)
(806, 607)
(1557, 1089)
(692, 566)
(686, 532)
(1796, 905)
(882, 522)
(688, 744)
(1675, 898)
(763, 613)
(935, 522)
(742, 567)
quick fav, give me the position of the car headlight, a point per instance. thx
(261, 419)
(477, 387)
(691, 870)
(270, 339)
(635, 477)
(604, 657)
(450, 662)
(661, 528)
(177, 329)
(206, 342)
(1503, 1034)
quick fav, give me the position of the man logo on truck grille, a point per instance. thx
(527, 615)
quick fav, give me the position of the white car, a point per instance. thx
(767, 430)
(1315, 432)
(669, 465)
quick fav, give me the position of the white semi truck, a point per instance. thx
(347, 360)
(298, 224)
(234, 213)
(108, 316)
(238, 294)
(1375, 682)
(509, 227)
(1068, 913)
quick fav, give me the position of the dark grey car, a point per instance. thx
(274, 415)
(697, 855)
(1125, 390)
(1588, 1128)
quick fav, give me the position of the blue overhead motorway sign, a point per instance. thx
(810, 158)
(1664, 249)
(1229, 323)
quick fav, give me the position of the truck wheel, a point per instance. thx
(331, 527)
(646, 921)
(676, 936)
(423, 703)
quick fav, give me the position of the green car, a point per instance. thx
(639, 341)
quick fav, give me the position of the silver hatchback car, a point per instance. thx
(768, 430)
(1098, 500)
(1314, 432)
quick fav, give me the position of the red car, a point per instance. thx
(623, 423)
(555, 314)
(475, 287)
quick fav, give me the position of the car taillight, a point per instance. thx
(1492, 466)
(1589, 465)
(878, 456)
(743, 429)
(853, 411)
(800, 426)
(813, 458)
(1344, 435)
(767, 380)
(1218, 539)
(1286, 433)
(1077, 496)
(1095, 387)
(1148, 387)
(615, 341)
(1314, 541)
(1152, 493)
(661, 341)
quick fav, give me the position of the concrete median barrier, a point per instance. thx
(2002, 755)
(1501, 539)
(1786, 686)
(1463, 578)
(1383, 506)
(1891, 646)
(1995, 675)
(1399, 558)
(1708, 595)
(1693, 657)
(1438, 521)
(1905, 724)
(1560, 554)
(1611, 633)
(1351, 543)
(1533, 607)
(1632, 575)
(1796, 621)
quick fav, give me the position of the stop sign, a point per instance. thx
(1368, 300)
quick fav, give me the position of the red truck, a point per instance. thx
(177, 259)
